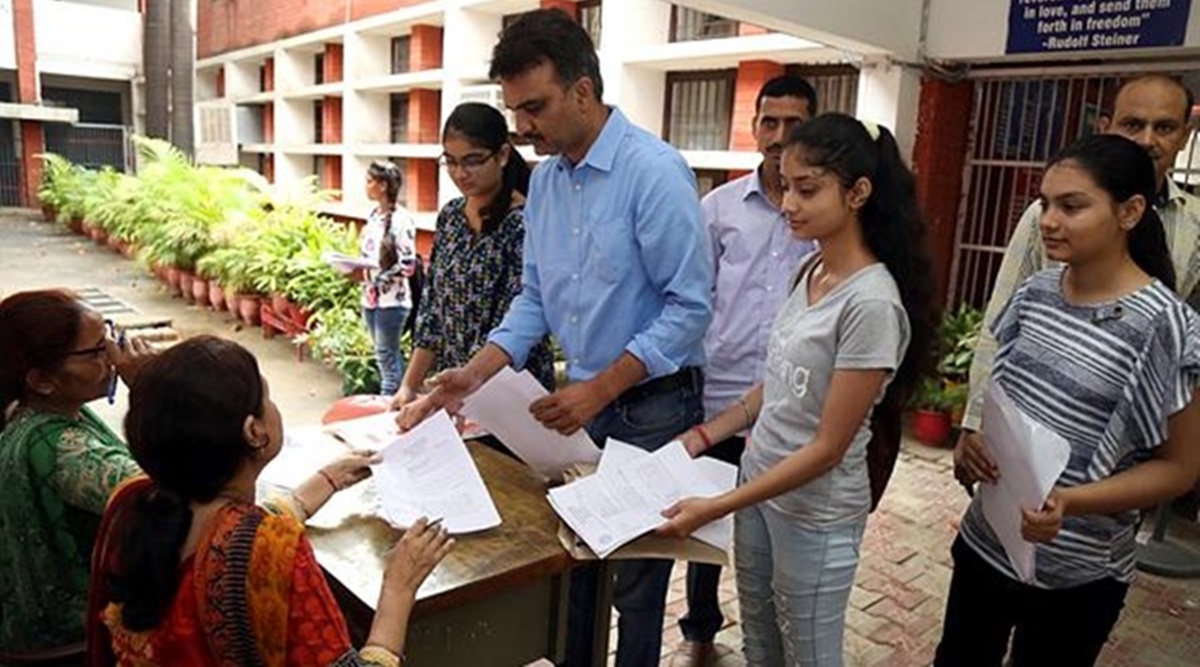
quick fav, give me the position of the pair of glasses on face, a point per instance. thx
(470, 162)
(110, 333)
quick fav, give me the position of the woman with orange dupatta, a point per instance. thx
(187, 570)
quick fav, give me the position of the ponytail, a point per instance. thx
(515, 179)
(388, 174)
(145, 577)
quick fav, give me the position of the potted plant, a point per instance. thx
(931, 405)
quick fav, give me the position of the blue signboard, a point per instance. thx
(1048, 26)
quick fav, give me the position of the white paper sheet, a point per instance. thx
(1031, 458)
(371, 433)
(626, 496)
(429, 472)
(347, 263)
(305, 451)
(501, 406)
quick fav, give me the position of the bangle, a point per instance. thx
(746, 411)
(699, 429)
(329, 479)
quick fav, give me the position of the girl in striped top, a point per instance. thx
(1100, 350)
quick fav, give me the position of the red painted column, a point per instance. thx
(939, 156)
(33, 137)
(424, 116)
(425, 48)
(567, 6)
(751, 76)
(334, 61)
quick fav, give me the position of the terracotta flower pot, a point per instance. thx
(174, 280)
(200, 291)
(248, 309)
(281, 305)
(232, 300)
(76, 225)
(186, 278)
(216, 295)
(931, 428)
(129, 250)
(48, 213)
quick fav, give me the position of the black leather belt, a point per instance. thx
(686, 377)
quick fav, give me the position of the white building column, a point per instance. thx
(889, 94)
(625, 26)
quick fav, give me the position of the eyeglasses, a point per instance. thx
(470, 162)
(110, 333)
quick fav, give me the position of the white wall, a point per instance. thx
(8, 45)
(86, 40)
(863, 26)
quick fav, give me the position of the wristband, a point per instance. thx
(708, 443)
(746, 411)
(329, 479)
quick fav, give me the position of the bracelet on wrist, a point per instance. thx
(329, 478)
(704, 437)
(746, 412)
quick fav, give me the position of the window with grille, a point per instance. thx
(401, 50)
(399, 114)
(836, 85)
(689, 24)
(262, 78)
(589, 18)
(318, 121)
(319, 69)
(699, 109)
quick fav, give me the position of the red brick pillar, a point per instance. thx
(331, 121)
(221, 82)
(33, 137)
(567, 6)
(268, 122)
(269, 167)
(331, 173)
(751, 76)
(334, 60)
(939, 156)
(425, 48)
(421, 184)
(424, 116)
(269, 75)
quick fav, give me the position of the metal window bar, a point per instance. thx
(700, 108)
(401, 51)
(399, 118)
(690, 24)
(10, 164)
(318, 122)
(91, 145)
(1018, 124)
(590, 12)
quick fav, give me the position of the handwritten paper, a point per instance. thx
(428, 472)
(501, 406)
(1031, 458)
(626, 496)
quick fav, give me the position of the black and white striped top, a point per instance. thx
(1106, 377)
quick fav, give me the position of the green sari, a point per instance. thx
(56, 473)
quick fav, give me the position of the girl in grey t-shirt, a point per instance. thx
(856, 330)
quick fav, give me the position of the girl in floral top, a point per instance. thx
(58, 461)
(475, 270)
(388, 240)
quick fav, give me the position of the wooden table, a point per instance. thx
(498, 599)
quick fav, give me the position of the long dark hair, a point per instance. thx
(388, 174)
(1123, 169)
(187, 409)
(37, 331)
(484, 126)
(892, 225)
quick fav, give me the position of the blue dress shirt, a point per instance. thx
(616, 258)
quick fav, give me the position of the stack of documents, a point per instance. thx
(501, 406)
(626, 497)
(425, 472)
(1031, 458)
(347, 263)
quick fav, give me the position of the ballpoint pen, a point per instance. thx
(112, 380)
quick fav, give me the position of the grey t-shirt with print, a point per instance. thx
(860, 324)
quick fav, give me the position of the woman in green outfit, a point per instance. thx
(58, 461)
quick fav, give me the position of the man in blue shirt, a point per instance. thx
(617, 268)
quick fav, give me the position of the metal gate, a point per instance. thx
(10, 164)
(1018, 124)
(92, 145)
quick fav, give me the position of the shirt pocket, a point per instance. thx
(612, 249)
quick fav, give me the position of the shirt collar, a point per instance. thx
(1171, 193)
(603, 150)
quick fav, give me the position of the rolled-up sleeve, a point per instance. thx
(674, 245)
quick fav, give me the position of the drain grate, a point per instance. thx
(154, 329)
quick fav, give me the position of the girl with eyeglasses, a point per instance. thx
(58, 461)
(475, 270)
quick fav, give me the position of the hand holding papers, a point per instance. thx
(1030, 457)
(501, 406)
(428, 472)
(347, 263)
(631, 488)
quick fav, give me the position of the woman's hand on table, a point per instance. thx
(421, 548)
(403, 397)
(351, 469)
